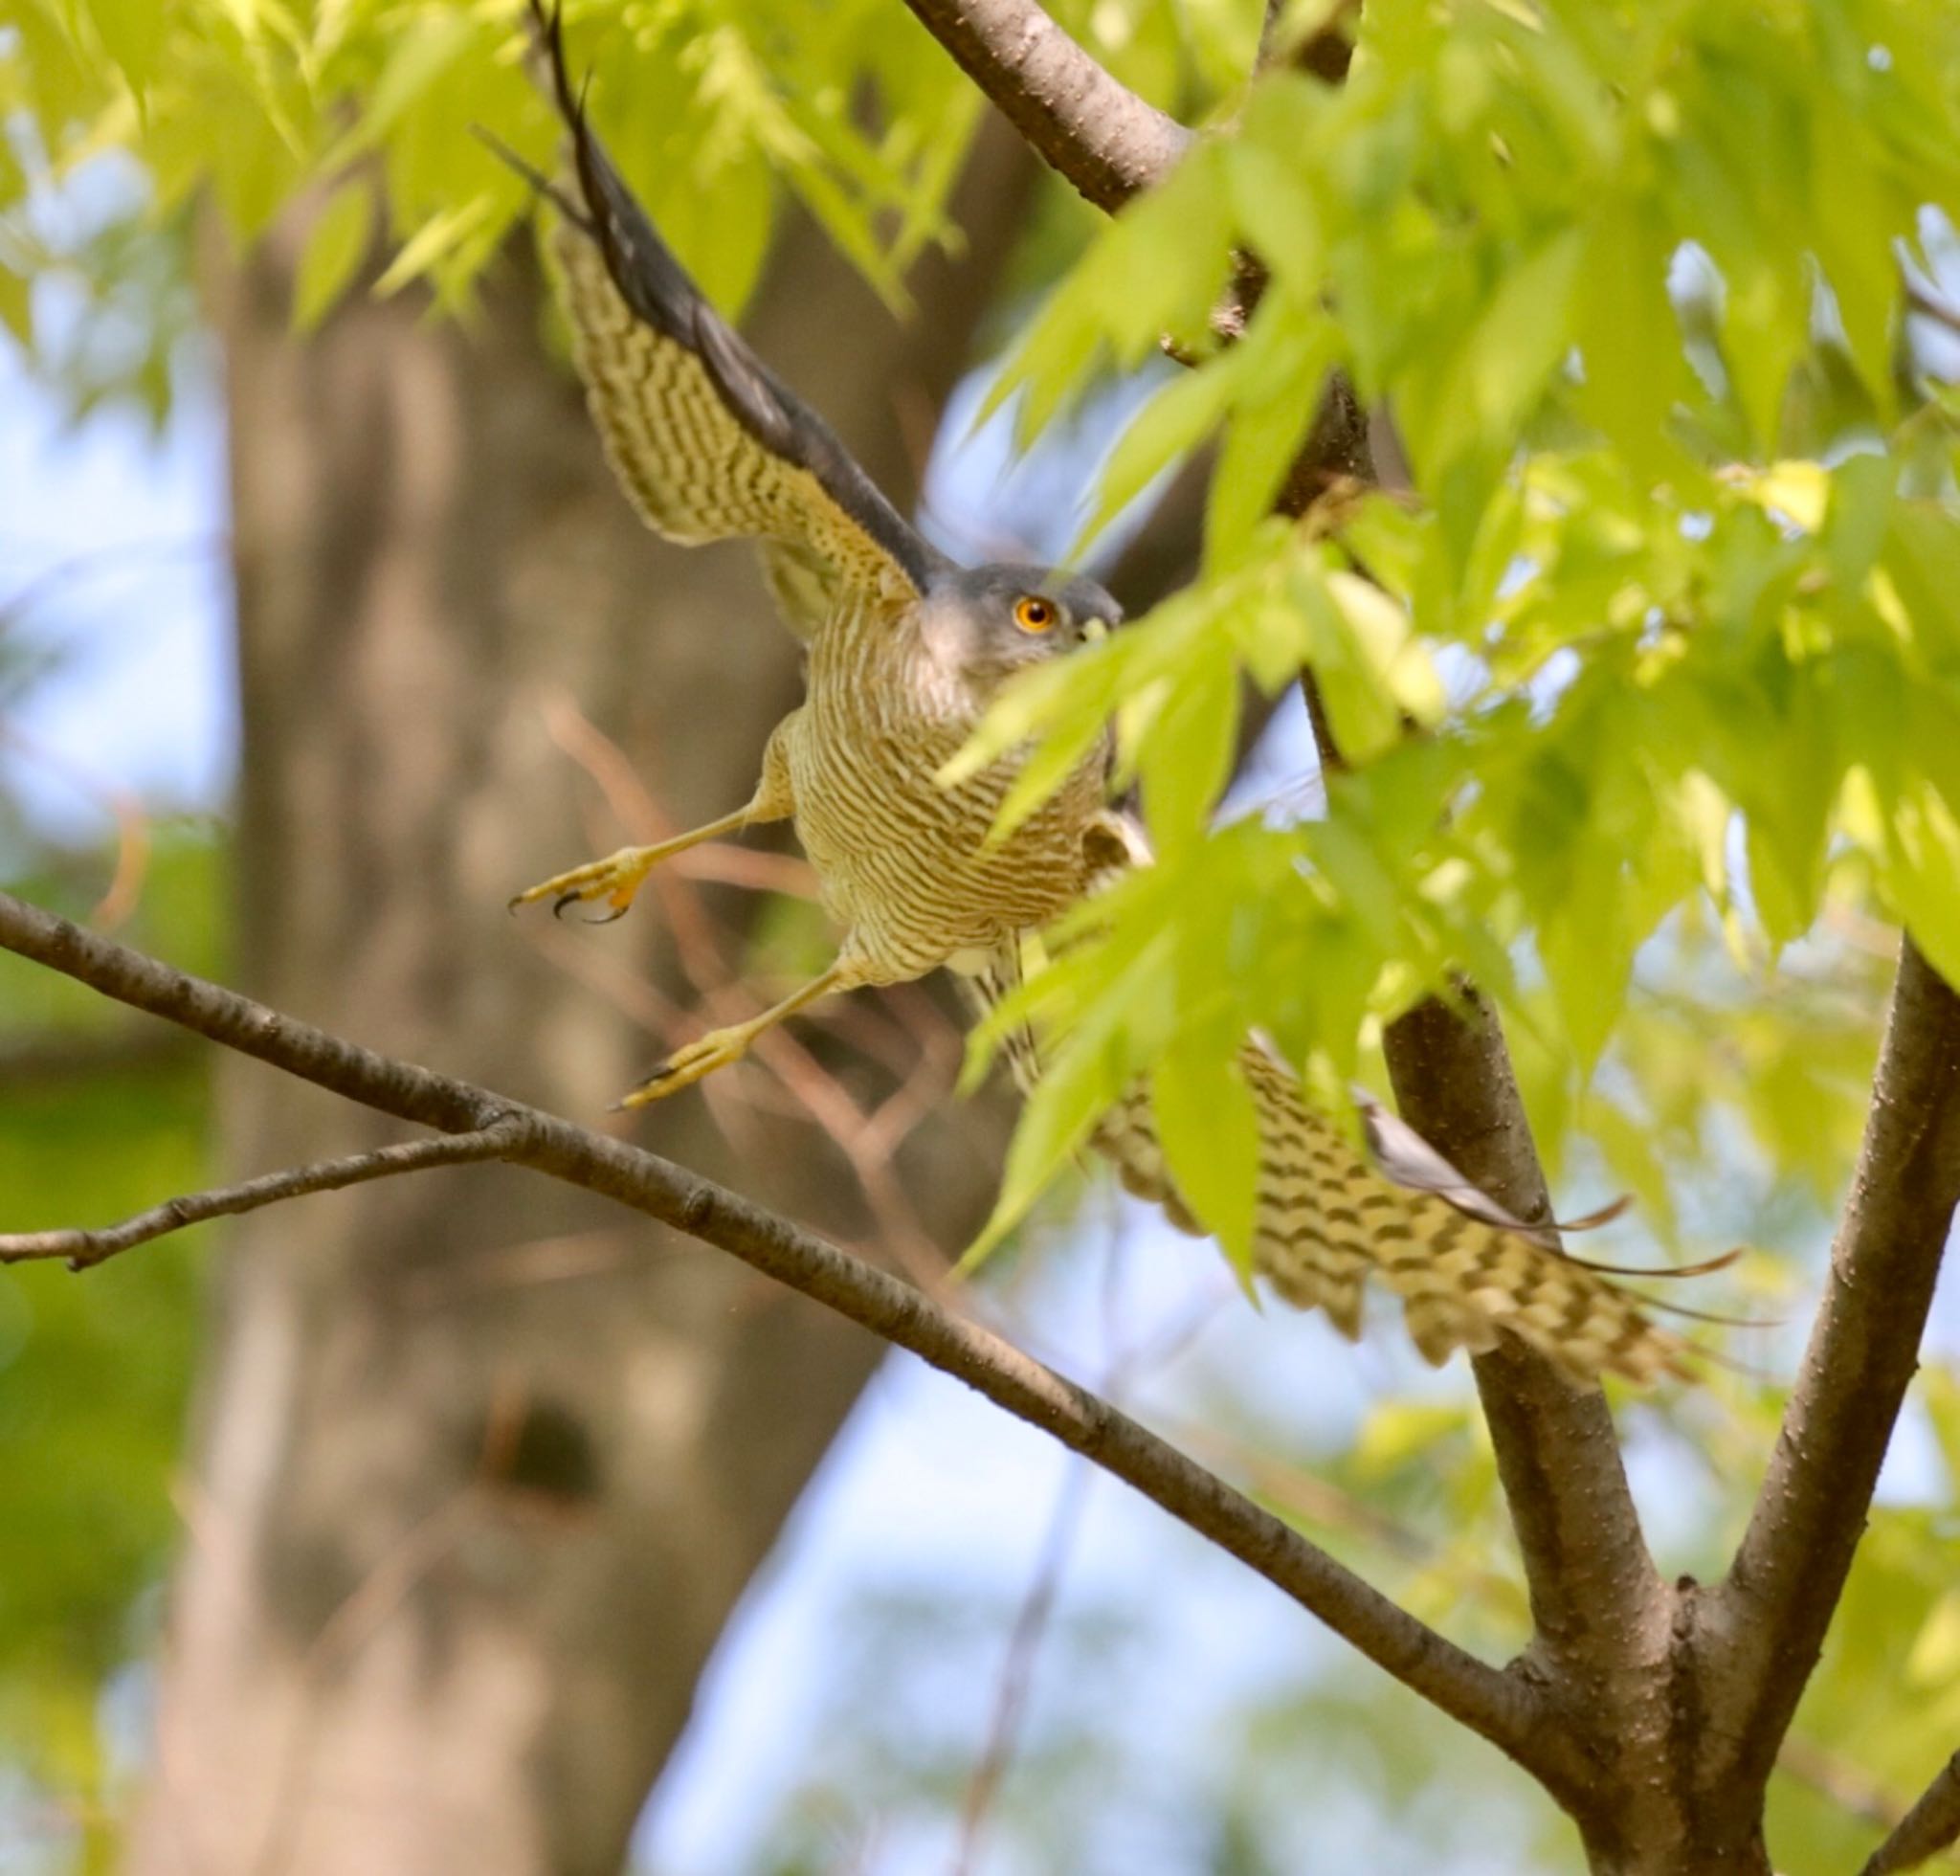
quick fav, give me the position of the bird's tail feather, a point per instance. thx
(1325, 1220)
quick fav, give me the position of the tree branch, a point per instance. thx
(1930, 1827)
(84, 1249)
(1499, 1705)
(1595, 1596)
(1593, 1588)
(1591, 1583)
(1766, 1623)
(1094, 131)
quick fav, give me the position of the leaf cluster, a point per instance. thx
(1663, 633)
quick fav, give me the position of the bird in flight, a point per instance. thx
(905, 652)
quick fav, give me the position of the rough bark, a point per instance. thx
(1098, 135)
(479, 1482)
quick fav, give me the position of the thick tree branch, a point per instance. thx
(84, 1249)
(1089, 127)
(1930, 1827)
(1765, 1624)
(1595, 1596)
(1499, 1705)
(1593, 1589)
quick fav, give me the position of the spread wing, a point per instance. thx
(1329, 1219)
(703, 437)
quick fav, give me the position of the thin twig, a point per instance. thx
(1037, 1609)
(1850, 1787)
(123, 805)
(92, 561)
(1930, 1827)
(84, 1249)
(1498, 1705)
(369, 1604)
(719, 862)
(1024, 1641)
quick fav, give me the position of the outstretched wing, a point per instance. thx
(705, 437)
(1326, 1219)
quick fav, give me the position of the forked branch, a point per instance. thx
(1494, 1703)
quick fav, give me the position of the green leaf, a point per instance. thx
(133, 34)
(440, 236)
(1187, 757)
(1634, 365)
(1171, 423)
(1208, 1128)
(1501, 369)
(336, 245)
(436, 40)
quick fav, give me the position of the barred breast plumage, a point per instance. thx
(907, 865)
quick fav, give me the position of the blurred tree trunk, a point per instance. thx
(480, 1470)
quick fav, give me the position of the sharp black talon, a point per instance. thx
(613, 917)
(563, 900)
(511, 903)
(626, 1104)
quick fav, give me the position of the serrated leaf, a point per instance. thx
(1173, 423)
(1501, 369)
(133, 35)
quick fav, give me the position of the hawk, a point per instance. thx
(905, 652)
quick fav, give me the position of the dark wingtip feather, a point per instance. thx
(657, 290)
(647, 274)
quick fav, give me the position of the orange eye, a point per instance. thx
(1033, 614)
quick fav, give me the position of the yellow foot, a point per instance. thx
(615, 879)
(701, 1058)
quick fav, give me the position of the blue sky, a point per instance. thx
(112, 542)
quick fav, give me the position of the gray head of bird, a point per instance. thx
(990, 622)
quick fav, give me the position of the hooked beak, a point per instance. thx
(1095, 631)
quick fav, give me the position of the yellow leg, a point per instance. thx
(718, 1047)
(618, 876)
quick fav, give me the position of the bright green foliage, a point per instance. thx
(261, 101)
(1650, 683)
(1671, 623)
(372, 106)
